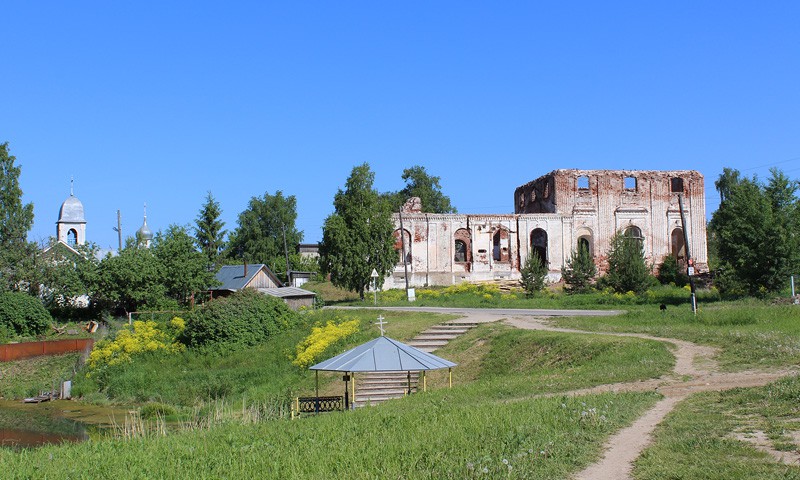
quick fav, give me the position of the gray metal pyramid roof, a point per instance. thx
(383, 354)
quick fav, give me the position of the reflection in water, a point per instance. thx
(25, 427)
(16, 439)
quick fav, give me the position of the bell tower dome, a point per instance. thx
(71, 224)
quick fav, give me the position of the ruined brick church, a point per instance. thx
(552, 216)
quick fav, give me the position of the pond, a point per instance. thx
(26, 425)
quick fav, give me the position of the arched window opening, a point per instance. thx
(678, 246)
(72, 237)
(500, 245)
(539, 245)
(634, 233)
(398, 246)
(462, 247)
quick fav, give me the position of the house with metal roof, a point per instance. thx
(233, 278)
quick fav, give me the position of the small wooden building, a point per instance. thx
(233, 278)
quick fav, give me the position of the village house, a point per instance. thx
(259, 277)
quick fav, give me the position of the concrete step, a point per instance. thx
(435, 336)
(427, 343)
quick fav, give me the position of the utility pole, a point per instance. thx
(286, 251)
(403, 244)
(689, 261)
(118, 229)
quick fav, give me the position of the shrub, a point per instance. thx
(321, 338)
(670, 272)
(141, 337)
(23, 314)
(245, 317)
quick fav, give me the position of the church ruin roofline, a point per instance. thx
(576, 172)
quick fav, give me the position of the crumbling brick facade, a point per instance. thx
(552, 214)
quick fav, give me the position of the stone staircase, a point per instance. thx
(375, 387)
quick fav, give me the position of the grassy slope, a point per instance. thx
(25, 378)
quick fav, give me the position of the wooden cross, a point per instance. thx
(380, 324)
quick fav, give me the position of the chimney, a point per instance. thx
(245, 268)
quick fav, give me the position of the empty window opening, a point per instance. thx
(500, 245)
(461, 251)
(678, 246)
(72, 237)
(583, 183)
(634, 233)
(398, 246)
(463, 248)
(676, 185)
(539, 245)
(585, 243)
(630, 184)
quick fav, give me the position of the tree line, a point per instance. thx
(182, 260)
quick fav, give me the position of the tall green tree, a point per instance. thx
(185, 270)
(209, 234)
(67, 276)
(419, 183)
(627, 268)
(357, 237)
(17, 255)
(756, 233)
(259, 235)
(579, 271)
(131, 280)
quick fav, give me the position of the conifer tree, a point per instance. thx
(533, 274)
(579, 271)
(209, 235)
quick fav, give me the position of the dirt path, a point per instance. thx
(695, 371)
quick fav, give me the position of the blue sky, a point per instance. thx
(146, 102)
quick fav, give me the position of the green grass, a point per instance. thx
(422, 437)
(28, 377)
(697, 439)
(750, 334)
(489, 296)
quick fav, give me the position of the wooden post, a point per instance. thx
(450, 375)
(424, 382)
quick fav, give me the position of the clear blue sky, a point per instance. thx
(160, 102)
